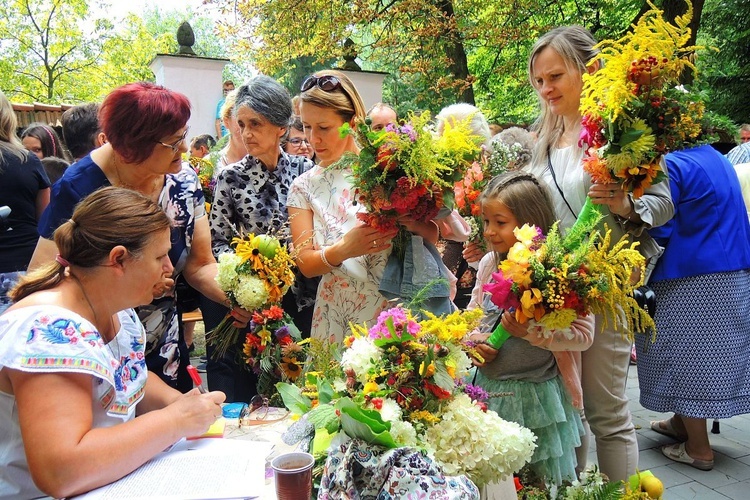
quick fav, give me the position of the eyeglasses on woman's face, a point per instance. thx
(327, 83)
(175, 146)
(297, 142)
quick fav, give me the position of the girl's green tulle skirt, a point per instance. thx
(546, 409)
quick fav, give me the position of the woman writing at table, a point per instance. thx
(146, 126)
(78, 406)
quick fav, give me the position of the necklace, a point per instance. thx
(113, 340)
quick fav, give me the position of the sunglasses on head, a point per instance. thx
(326, 83)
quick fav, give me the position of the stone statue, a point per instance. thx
(186, 39)
(350, 54)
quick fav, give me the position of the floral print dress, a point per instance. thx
(349, 293)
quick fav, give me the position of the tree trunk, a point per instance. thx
(454, 49)
(672, 9)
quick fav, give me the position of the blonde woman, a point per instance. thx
(331, 241)
(556, 67)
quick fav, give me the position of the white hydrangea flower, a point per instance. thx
(250, 292)
(360, 357)
(391, 411)
(479, 444)
(227, 276)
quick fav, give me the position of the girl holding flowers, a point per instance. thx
(558, 61)
(541, 370)
(329, 239)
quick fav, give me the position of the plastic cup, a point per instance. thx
(293, 475)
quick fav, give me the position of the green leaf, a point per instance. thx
(325, 391)
(294, 400)
(366, 425)
(324, 417)
(630, 136)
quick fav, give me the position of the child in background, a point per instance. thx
(543, 373)
(55, 167)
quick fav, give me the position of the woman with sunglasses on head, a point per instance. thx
(251, 197)
(558, 61)
(296, 143)
(146, 125)
(331, 242)
(78, 406)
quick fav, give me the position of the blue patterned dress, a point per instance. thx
(183, 201)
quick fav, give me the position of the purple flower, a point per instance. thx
(391, 127)
(409, 130)
(282, 332)
(476, 393)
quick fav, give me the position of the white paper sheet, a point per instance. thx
(195, 470)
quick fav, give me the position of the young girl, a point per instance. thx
(542, 372)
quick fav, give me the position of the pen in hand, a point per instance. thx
(193, 372)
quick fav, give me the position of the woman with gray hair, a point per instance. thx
(251, 197)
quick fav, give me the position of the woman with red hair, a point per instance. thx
(145, 126)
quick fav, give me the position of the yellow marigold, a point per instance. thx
(424, 416)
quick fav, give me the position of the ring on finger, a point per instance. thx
(611, 194)
(375, 243)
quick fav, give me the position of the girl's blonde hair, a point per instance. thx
(9, 141)
(575, 44)
(344, 100)
(527, 199)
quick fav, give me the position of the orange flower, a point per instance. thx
(274, 312)
(597, 168)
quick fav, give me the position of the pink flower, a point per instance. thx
(501, 292)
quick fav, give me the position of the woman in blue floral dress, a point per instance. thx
(146, 126)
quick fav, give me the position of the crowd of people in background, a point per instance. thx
(87, 214)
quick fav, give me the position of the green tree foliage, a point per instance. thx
(44, 47)
(58, 50)
(725, 75)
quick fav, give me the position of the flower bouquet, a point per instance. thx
(272, 348)
(255, 277)
(400, 383)
(205, 170)
(550, 281)
(634, 109)
(406, 171)
(510, 150)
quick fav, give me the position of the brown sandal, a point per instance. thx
(665, 428)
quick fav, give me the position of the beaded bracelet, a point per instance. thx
(325, 261)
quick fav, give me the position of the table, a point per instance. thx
(270, 433)
(503, 490)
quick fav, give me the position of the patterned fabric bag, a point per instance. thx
(358, 470)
